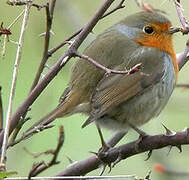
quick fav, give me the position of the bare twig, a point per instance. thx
(1, 110)
(107, 70)
(49, 20)
(182, 85)
(43, 166)
(13, 85)
(22, 3)
(182, 19)
(29, 134)
(183, 57)
(77, 177)
(6, 37)
(119, 6)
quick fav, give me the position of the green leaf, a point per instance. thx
(4, 174)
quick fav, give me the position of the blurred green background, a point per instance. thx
(70, 16)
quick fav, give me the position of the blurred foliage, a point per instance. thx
(69, 17)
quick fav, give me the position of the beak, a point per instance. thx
(173, 30)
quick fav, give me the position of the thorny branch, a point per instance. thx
(114, 155)
(40, 167)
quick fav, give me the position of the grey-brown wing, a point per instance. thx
(118, 88)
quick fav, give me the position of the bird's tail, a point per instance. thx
(65, 108)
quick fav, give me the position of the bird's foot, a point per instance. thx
(100, 155)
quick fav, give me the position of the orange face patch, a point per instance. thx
(160, 39)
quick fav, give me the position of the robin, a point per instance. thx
(121, 101)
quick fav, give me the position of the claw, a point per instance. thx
(119, 158)
(168, 131)
(110, 167)
(148, 155)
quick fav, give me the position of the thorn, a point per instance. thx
(168, 131)
(95, 153)
(179, 148)
(110, 167)
(148, 155)
(148, 175)
(170, 148)
(103, 169)
(70, 160)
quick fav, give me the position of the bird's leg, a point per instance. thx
(141, 133)
(105, 146)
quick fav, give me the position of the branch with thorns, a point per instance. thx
(115, 155)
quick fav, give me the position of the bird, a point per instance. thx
(123, 101)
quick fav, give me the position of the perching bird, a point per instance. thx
(120, 101)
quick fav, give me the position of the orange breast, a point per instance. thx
(160, 40)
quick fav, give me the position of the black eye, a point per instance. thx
(148, 29)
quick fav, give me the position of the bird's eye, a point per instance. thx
(148, 29)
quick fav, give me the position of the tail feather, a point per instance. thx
(65, 108)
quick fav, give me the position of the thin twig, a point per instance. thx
(119, 6)
(107, 70)
(13, 84)
(182, 19)
(43, 166)
(49, 19)
(22, 3)
(6, 37)
(16, 20)
(183, 57)
(76, 177)
(1, 110)
(28, 134)
(182, 85)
